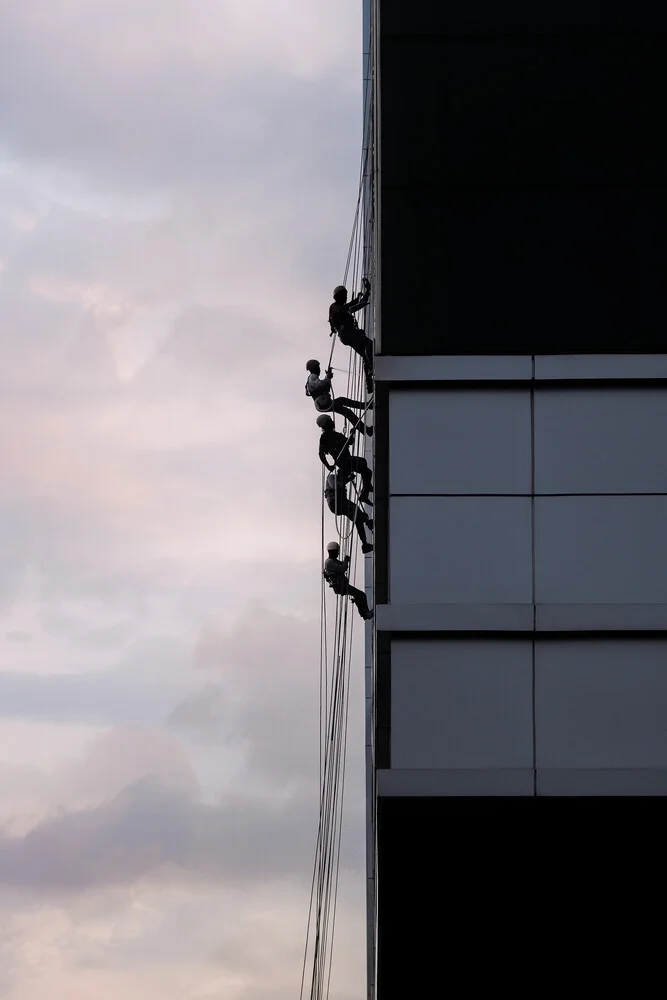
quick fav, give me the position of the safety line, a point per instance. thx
(335, 664)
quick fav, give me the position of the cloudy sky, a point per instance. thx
(177, 186)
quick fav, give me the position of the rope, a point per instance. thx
(330, 827)
(327, 866)
(323, 689)
(335, 665)
(334, 338)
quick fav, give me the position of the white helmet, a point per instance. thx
(333, 547)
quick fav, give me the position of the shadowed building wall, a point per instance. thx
(519, 654)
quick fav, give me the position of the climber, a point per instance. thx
(345, 325)
(335, 494)
(336, 574)
(333, 443)
(319, 389)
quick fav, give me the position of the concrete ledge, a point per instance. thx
(409, 783)
(600, 617)
(601, 781)
(518, 367)
(400, 783)
(454, 617)
(591, 366)
(453, 368)
(519, 618)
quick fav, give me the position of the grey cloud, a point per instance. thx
(273, 201)
(9, 961)
(143, 688)
(167, 113)
(221, 342)
(149, 831)
(204, 180)
(17, 636)
(204, 715)
(270, 661)
(262, 696)
(74, 557)
(118, 758)
(105, 637)
(261, 992)
(267, 697)
(71, 554)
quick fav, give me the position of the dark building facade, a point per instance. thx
(517, 675)
(521, 166)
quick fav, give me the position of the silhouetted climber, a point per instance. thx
(333, 443)
(335, 494)
(336, 574)
(319, 389)
(345, 325)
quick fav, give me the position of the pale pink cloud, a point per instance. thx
(177, 184)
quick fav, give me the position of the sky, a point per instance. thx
(177, 188)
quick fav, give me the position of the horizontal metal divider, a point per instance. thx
(525, 782)
(521, 618)
(558, 369)
(537, 496)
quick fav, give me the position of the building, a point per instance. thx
(517, 675)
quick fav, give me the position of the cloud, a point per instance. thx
(148, 830)
(153, 359)
(175, 88)
(177, 184)
(134, 805)
(169, 942)
(268, 664)
(142, 688)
